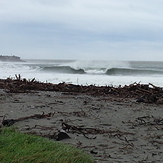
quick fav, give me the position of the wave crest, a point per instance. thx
(64, 69)
(131, 72)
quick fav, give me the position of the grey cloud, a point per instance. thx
(102, 15)
(92, 27)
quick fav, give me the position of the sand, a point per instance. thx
(112, 130)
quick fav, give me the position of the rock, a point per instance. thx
(8, 122)
(62, 135)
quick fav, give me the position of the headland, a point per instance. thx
(6, 58)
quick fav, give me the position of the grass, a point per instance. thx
(16, 147)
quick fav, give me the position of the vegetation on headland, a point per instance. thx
(6, 58)
(23, 148)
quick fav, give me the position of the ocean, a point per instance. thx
(86, 72)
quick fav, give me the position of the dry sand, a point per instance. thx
(112, 130)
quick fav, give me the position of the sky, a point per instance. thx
(82, 29)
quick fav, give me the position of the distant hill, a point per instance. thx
(6, 58)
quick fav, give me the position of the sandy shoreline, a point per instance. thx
(111, 129)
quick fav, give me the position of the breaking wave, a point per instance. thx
(64, 69)
(107, 71)
(86, 72)
(87, 67)
(84, 67)
(131, 72)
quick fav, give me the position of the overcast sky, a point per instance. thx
(82, 29)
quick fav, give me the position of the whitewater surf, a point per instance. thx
(86, 72)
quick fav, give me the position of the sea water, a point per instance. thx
(86, 72)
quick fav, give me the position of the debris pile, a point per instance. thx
(147, 93)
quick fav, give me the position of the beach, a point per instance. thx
(110, 128)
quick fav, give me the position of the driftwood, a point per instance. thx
(10, 122)
(147, 93)
(94, 131)
(149, 121)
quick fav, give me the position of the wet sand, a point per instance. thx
(112, 130)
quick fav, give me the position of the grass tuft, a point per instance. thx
(17, 147)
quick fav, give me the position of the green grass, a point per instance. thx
(16, 147)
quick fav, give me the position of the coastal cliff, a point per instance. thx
(13, 58)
